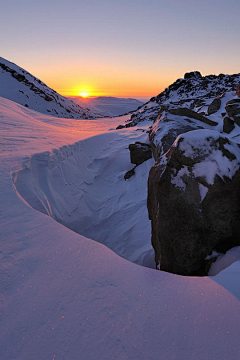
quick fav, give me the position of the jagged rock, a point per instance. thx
(214, 106)
(139, 152)
(233, 110)
(228, 125)
(194, 201)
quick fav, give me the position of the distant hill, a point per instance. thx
(18, 85)
(109, 106)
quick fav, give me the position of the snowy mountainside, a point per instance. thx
(18, 85)
(109, 106)
(194, 91)
(64, 296)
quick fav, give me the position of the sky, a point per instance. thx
(124, 48)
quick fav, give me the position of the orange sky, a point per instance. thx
(120, 48)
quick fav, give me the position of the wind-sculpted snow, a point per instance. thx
(82, 186)
(64, 296)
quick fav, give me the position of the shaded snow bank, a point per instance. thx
(82, 186)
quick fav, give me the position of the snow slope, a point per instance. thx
(108, 106)
(18, 85)
(64, 296)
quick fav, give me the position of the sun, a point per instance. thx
(84, 94)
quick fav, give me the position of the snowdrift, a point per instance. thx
(64, 296)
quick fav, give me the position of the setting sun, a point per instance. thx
(84, 94)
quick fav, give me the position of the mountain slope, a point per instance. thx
(18, 85)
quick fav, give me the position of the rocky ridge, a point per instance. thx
(194, 186)
(194, 91)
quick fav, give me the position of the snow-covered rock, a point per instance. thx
(18, 85)
(194, 201)
(194, 185)
(194, 91)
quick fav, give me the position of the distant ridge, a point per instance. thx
(108, 105)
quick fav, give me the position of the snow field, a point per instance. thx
(64, 296)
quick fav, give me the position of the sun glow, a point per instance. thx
(84, 94)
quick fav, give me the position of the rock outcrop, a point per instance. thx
(194, 201)
(194, 186)
(139, 152)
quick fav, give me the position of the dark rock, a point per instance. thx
(192, 209)
(140, 152)
(26, 105)
(120, 127)
(214, 106)
(130, 124)
(19, 77)
(129, 173)
(228, 125)
(233, 110)
(192, 74)
(238, 90)
(192, 114)
(48, 98)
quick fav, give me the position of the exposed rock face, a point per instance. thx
(194, 201)
(140, 152)
(214, 106)
(233, 110)
(228, 125)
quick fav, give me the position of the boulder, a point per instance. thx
(140, 152)
(194, 201)
(233, 110)
(172, 122)
(192, 74)
(228, 125)
(214, 106)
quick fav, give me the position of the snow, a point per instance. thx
(108, 105)
(203, 191)
(64, 296)
(18, 85)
